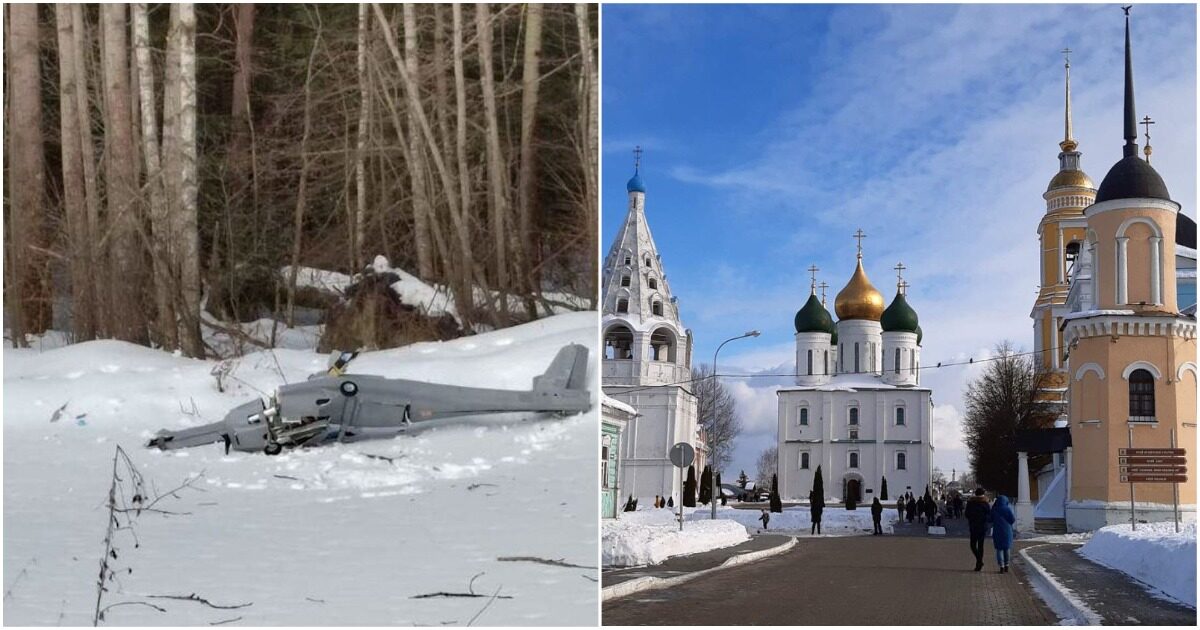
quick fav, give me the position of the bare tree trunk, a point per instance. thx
(358, 221)
(495, 158)
(527, 241)
(98, 280)
(187, 240)
(420, 197)
(471, 275)
(301, 198)
(163, 283)
(74, 202)
(590, 123)
(28, 295)
(128, 319)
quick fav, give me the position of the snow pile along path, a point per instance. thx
(650, 536)
(345, 534)
(1153, 554)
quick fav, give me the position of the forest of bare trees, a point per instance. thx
(165, 163)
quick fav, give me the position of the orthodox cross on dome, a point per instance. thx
(1146, 122)
(902, 287)
(813, 270)
(823, 286)
(1068, 143)
(860, 235)
(899, 273)
(637, 158)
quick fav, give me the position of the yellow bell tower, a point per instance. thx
(1061, 233)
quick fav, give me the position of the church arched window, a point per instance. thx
(856, 368)
(618, 343)
(624, 281)
(653, 283)
(841, 358)
(854, 459)
(804, 460)
(1141, 394)
(623, 305)
(629, 260)
(656, 308)
(901, 461)
(662, 344)
(810, 362)
(854, 415)
(899, 416)
(897, 360)
(826, 353)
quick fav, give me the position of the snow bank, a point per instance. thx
(834, 521)
(1153, 554)
(344, 534)
(650, 536)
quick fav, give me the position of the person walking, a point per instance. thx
(1002, 530)
(816, 505)
(912, 508)
(920, 509)
(765, 518)
(900, 509)
(978, 512)
(877, 516)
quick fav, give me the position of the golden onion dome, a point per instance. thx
(1070, 177)
(859, 299)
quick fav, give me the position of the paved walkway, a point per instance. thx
(854, 580)
(1117, 598)
(691, 563)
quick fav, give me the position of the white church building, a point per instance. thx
(858, 410)
(647, 358)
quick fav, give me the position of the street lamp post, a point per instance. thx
(712, 467)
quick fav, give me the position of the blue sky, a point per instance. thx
(773, 132)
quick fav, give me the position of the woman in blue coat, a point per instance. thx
(1002, 519)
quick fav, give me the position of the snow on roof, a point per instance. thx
(1096, 313)
(613, 403)
(849, 383)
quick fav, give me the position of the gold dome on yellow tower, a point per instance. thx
(859, 299)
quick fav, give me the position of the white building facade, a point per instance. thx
(647, 357)
(857, 410)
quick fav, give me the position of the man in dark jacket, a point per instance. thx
(912, 508)
(977, 513)
(877, 516)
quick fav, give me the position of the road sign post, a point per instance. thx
(682, 455)
(1153, 465)
(1175, 489)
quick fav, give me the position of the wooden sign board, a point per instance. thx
(1153, 470)
(1153, 478)
(1151, 452)
(1151, 461)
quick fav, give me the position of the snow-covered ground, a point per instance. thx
(650, 536)
(1153, 554)
(326, 536)
(798, 520)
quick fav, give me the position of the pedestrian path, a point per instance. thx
(851, 580)
(691, 563)
(1114, 597)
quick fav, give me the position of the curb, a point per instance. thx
(1059, 598)
(650, 582)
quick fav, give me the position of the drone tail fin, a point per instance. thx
(567, 371)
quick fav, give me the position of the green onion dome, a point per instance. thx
(813, 317)
(899, 317)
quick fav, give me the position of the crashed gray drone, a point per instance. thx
(338, 407)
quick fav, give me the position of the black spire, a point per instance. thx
(1130, 110)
